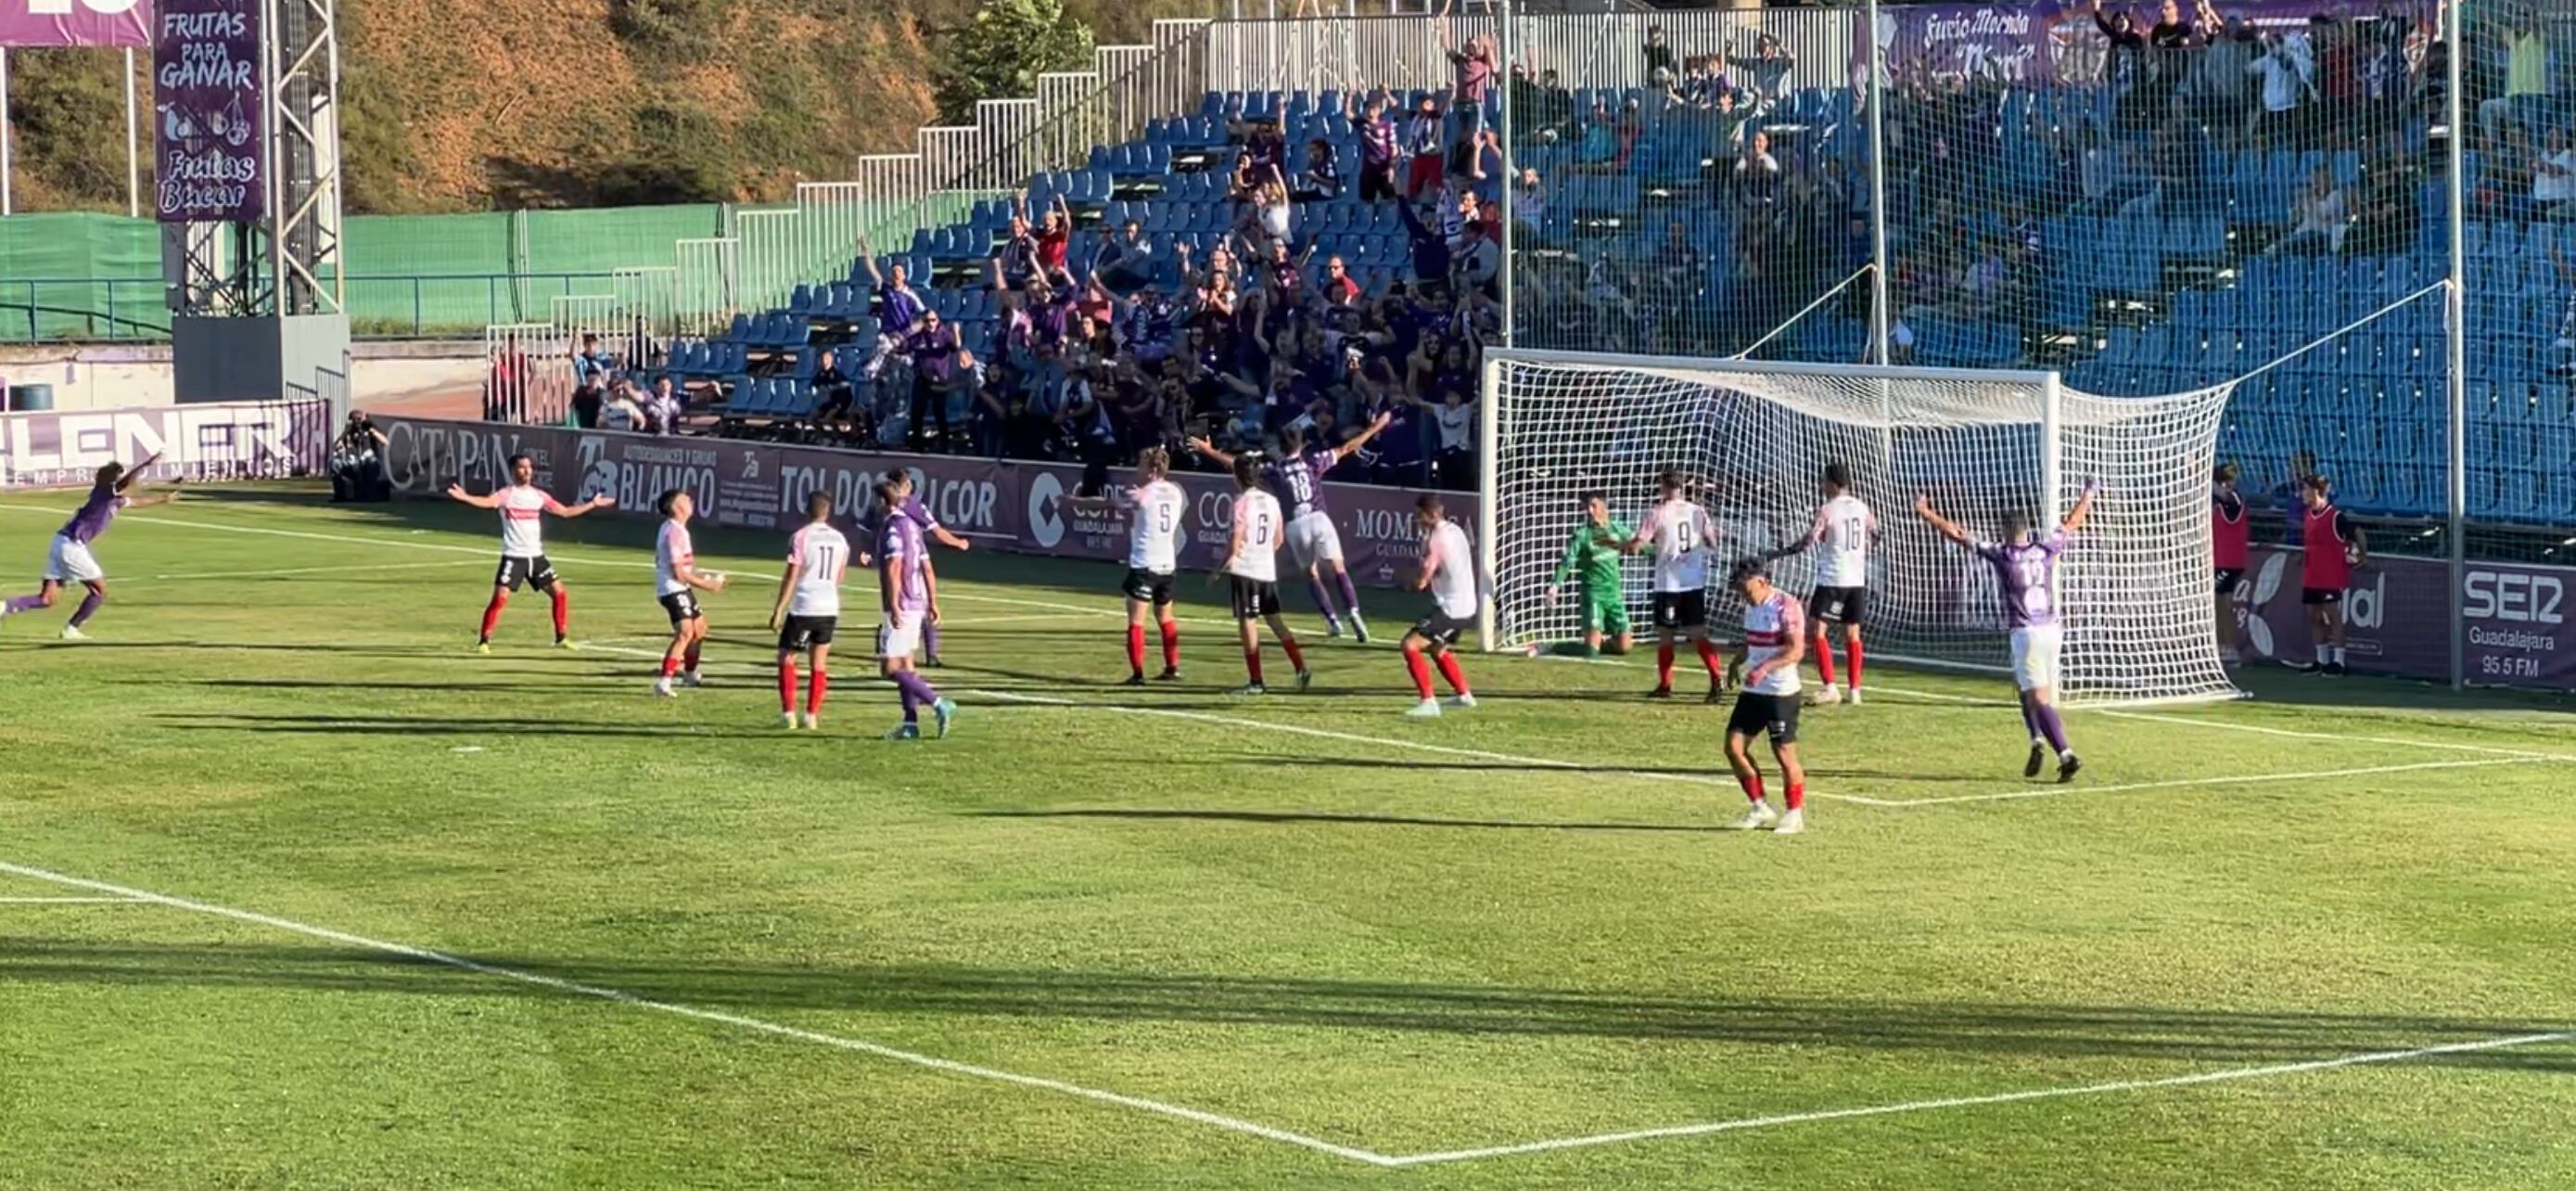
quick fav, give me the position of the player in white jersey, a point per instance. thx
(523, 547)
(1155, 508)
(808, 610)
(1252, 565)
(677, 582)
(1681, 534)
(1449, 574)
(1774, 637)
(1842, 535)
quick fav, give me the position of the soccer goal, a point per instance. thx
(1755, 438)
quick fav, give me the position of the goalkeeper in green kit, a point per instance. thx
(1593, 549)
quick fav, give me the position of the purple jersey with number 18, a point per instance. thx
(2027, 572)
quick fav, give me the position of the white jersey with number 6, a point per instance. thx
(671, 552)
(821, 554)
(522, 507)
(1256, 517)
(1681, 533)
(1844, 526)
(1154, 526)
(1453, 571)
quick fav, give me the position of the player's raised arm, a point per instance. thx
(457, 492)
(1362, 438)
(1204, 447)
(134, 475)
(2083, 507)
(161, 498)
(560, 509)
(1940, 524)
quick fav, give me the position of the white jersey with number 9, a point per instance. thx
(1680, 531)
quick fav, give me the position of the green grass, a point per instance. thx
(1396, 936)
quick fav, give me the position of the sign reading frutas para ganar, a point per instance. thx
(207, 111)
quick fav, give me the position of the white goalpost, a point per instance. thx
(1755, 437)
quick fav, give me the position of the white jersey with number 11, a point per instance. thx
(821, 554)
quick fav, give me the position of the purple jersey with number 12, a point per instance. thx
(2028, 575)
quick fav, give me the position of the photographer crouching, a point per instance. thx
(358, 463)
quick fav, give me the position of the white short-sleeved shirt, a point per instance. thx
(1256, 515)
(1453, 571)
(672, 551)
(1680, 531)
(521, 507)
(1154, 526)
(1843, 528)
(821, 555)
(1770, 628)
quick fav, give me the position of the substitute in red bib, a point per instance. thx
(523, 547)
(1775, 636)
(2228, 525)
(2331, 546)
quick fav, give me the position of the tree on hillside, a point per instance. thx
(1000, 54)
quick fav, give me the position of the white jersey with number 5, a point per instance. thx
(522, 507)
(1256, 517)
(821, 554)
(1681, 533)
(1154, 526)
(671, 552)
(1453, 571)
(1844, 526)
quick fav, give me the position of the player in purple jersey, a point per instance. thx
(2026, 570)
(903, 593)
(1296, 477)
(70, 560)
(872, 522)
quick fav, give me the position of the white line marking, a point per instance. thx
(2097, 1089)
(2240, 779)
(370, 568)
(2196, 722)
(1159, 1108)
(71, 901)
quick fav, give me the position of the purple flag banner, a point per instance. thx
(1005, 505)
(2398, 619)
(2052, 43)
(208, 111)
(265, 441)
(75, 23)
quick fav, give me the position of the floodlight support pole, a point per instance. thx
(1489, 489)
(2455, 383)
(1874, 93)
(7, 205)
(133, 159)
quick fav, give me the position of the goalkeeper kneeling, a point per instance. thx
(1592, 551)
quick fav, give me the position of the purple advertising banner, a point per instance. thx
(265, 441)
(208, 115)
(2398, 619)
(75, 23)
(2054, 43)
(1015, 506)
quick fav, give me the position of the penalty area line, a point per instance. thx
(738, 1021)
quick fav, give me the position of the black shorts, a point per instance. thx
(1254, 598)
(683, 607)
(1142, 584)
(535, 572)
(2228, 578)
(2314, 596)
(1772, 715)
(801, 633)
(1681, 609)
(1377, 183)
(1838, 605)
(1442, 629)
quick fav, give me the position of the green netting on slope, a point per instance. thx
(64, 274)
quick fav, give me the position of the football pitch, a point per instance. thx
(296, 890)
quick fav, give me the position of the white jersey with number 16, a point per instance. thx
(1844, 526)
(1154, 526)
(1256, 517)
(821, 554)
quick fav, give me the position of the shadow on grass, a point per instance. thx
(1149, 814)
(2213, 1037)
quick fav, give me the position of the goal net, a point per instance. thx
(1755, 437)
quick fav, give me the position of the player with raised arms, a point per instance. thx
(871, 521)
(69, 559)
(1844, 529)
(1767, 701)
(2330, 545)
(1252, 569)
(808, 611)
(676, 582)
(2229, 533)
(1681, 534)
(1449, 574)
(1297, 479)
(2026, 569)
(523, 547)
(903, 595)
(1155, 507)
(1593, 551)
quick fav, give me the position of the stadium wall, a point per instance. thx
(1006, 505)
(250, 441)
(2398, 618)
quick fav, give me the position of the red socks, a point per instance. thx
(786, 685)
(563, 612)
(1823, 648)
(1136, 648)
(1296, 656)
(814, 691)
(1252, 663)
(492, 612)
(1171, 646)
(689, 660)
(1752, 785)
(1420, 667)
(1450, 671)
(1708, 658)
(1664, 664)
(1855, 663)
(1797, 795)
(670, 665)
